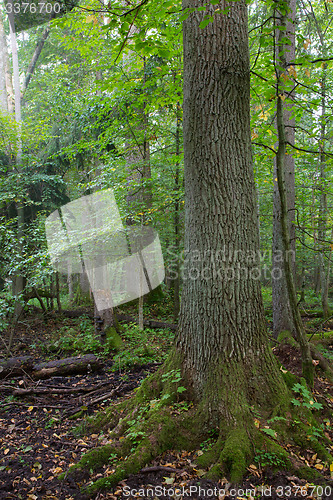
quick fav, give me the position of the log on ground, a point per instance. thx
(67, 366)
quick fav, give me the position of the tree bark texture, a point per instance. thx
(222, 335)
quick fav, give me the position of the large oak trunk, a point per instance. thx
(222, 335)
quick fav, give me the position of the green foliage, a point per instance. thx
(79, 338)
(142, 347)
(7, 304)
(328, 354)
(266, 459)
(210, 441)
(307, 399)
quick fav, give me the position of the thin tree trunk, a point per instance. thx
(282, 314)
(58, 292)
(18, 280)
(308, 370)
(176, 283)
(323, 201)
(3, 57)
(34, 59)
(7, 92)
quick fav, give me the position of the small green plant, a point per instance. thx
(315, 433)
(134, 432)
(269, 459)
(276, 419)
(210, 441)
(52, 422)
(307, 398)
(182, 406)
(113, 458)
(141, 347)
(270, 432)
(174, 376)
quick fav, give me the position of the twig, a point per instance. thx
(158, 468)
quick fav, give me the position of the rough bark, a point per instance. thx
(222, 335)
(282, 315)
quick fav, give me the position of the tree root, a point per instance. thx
(158, 418)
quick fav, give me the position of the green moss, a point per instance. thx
(290, 379)
(131, 465)
(215, 473)
(210, 456)
(77, 415)
(308, 474)
(322, 337)
(113, 339)
(105, 419)
(308, 372)
(285, 337)
(236, 454)
(94, 459)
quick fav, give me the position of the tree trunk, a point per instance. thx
(322, 223)
(282, 315)
(18, 279)
(33, 62)
(6, 84)
(222, 336)
(3, 55)
(176, 283)
(66, 366)
(281, 94)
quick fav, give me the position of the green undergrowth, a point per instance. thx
(142, 346)
(161, 416)
(132, 347)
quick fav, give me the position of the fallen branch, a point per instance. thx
(16, 366)
(67, 366)
(158, 468)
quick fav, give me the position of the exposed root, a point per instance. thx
(158, 418)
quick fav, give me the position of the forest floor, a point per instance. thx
(37, 442)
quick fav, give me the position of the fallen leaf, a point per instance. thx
(169, 480)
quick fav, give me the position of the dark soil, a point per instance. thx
(37, 442)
